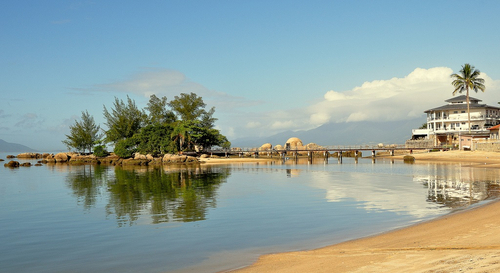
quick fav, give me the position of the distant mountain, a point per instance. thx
(346, 133)
(7, 147)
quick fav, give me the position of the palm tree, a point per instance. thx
(180, 134)
(467, 79)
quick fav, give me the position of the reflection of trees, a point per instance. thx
(181, 194)
(87, 183)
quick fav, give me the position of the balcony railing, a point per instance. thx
(464, 118)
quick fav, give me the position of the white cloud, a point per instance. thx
(394, 99)
(287, 124)
(380, 100)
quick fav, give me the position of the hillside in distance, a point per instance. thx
(345, 133)
(7, 147)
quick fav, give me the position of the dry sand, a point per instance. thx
(467, 241)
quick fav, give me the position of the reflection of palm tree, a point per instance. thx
(467, 79)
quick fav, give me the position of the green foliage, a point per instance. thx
(188, 107)
(123, 121)
(83, 134)
(125, 148)
(468, 79)
(158, 112)
(155, 130)
(100, 150)
(154, 139)
(424, 126)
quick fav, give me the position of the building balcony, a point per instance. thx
(463, 117)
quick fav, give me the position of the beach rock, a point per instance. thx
(11, 164)
(408, 159)
(178, 158)
(38, 164)
(278, 147)
(295, 143)
(1, 159)
(26, 164)
(155, 161)
(29, 155)
(61, 157)
(49, 159)
(265, 147)
(170, 158)
(45, 155)
(166, 157)
(83, 159)
(134, 162)
(139, 156)
(11, 156)
(204, 156)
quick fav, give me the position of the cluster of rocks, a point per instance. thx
(293, 143)
(76, 159)
(15, 164)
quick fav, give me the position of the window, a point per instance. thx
(457, 124)
(463, 111)
(455, 112)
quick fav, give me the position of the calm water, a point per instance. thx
(61, 218)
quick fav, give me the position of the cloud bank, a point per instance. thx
(380, 100)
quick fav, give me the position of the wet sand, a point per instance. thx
(466, 241)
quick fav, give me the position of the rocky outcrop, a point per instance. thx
(83, 159)
(134, 162)
(294, 143)
(171, 158)
(11, 164)
(25, 164)
(29, 155)
(11, 156)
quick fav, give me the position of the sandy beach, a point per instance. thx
(465, 241)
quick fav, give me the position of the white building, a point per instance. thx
(446, 123)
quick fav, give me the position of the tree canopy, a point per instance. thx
(161, 127)
(83, 134)
(467, 79)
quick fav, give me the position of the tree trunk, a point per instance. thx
(468, 109)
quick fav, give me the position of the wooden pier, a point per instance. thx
(324, 151)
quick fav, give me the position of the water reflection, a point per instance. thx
(170, 194)
(459, 185)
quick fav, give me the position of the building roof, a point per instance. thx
(461, 106)
(462, 98)
(496, 127)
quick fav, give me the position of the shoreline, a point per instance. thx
(466, 240)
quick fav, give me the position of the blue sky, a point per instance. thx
(267, 66)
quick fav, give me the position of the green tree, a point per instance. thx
(424, 126)
(83, 134)
(158, 111)
(123, 121)
(154, 139)
(181, 135)
(467, 79)
(126, 147)
(188, 107)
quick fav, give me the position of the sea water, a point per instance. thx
(209, 218)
